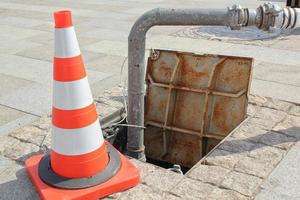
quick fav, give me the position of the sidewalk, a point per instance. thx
(26, 51)
(102, 28)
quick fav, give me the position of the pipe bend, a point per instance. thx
(144, 23)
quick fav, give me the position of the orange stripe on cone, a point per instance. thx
(63, 19)
(68, 69)
(71, 119)
(80, 165)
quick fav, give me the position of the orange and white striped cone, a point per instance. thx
(81, 165)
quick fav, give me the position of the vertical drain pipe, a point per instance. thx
(264, 17)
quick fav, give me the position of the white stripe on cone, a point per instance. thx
(66, 44)
(77, 141)
(72, 95)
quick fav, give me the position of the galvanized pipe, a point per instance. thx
(235, 17)
(136, 65)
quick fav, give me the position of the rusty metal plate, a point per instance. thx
(193, 96)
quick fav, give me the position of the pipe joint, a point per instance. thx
(237, 17)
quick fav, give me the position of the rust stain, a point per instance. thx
(190, 74)
(164, 69)
(188, 111)
(162, 105)
(234, 76)
(219, 115)
(184, 150)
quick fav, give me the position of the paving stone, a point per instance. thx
(247, 131)
(7, 142)
(222, 158)
(5, 163)
(162, 179)
(27, 99)
(264, 54)
(208, 174)
(278, 73)
(107, 34)
(266, 118)
(45, 38)
(15, 184)
(192, 189)
(242, 183)
(270, 114)
(109, 64)
(278, 104)
(43, 123)
(10, 84)
(105, 110)
(45, 53)
(16, 33)
(29, 69)
(295, 110)
(276, 139)
(224, 194)
(289, 43)
(283, 182)
(17, 123)
(9, 114)
(144, 192)
(257, 100)
(275, 90)
(6, 46)
(185, 44)
(145, 168)
(30, 134)
(254, 167)
(113, 101)
(47, 26)
(241, 146)
(16, 150)
(252, 109)
(37, 70)
(108, 47)
(20, 22)
(106, 24)
(290, 126)
(267, 154)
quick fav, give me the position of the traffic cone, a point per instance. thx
(81, 164)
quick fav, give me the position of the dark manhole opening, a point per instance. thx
(192, 102)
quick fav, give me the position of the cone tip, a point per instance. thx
(63, 19)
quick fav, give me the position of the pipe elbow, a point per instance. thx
(144, 23)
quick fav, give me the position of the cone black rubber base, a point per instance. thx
(126, 177)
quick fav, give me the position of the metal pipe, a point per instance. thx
(235, 17)
(136, 65)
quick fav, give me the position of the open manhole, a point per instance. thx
(192, 103)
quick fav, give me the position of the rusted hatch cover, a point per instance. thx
(192, 102)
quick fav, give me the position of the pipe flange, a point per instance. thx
(268, 16)
(237, 17)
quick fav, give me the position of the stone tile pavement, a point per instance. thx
(250, 153)
(236, 169)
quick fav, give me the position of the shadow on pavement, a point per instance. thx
(18, 185)
(283, 139)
